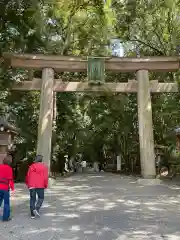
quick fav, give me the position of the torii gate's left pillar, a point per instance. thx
(46, 116)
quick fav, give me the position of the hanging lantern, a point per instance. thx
(96, 70)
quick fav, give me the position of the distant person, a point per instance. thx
(37, 182)
(16, 171)
(53, 168)
(6, 183)
(66, 168)
(83, 165)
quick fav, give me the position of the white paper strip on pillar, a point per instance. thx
(95, 166)
(119, 163)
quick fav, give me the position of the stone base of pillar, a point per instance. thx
(149, 181)
(51, 182)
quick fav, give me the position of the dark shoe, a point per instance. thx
(32, 215)
(7, 220)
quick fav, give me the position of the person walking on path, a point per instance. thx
(37, 182)
(6, 183)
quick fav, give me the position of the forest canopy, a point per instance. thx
(97, 126)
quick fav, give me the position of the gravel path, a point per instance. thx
(97, 207)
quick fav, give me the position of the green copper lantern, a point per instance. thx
(96, 70)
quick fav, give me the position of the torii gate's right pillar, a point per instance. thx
(146, 137)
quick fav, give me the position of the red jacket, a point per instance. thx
(37, 176)
(6, 177)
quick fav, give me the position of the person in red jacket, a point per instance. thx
(37, 181)
(6, 183)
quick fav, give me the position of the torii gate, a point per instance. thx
(143, 87)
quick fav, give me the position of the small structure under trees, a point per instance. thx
(177, 131)
(142, 86)
(7, 134)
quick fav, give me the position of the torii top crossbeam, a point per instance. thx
(79, 64)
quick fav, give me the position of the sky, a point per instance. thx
(117, 48)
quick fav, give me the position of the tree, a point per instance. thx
(91, 124)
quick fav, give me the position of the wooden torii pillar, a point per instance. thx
(46, 115)
(146, 138)
(143, 87)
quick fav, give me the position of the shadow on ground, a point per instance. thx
(98, 206)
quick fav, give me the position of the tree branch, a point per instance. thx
(148, 45)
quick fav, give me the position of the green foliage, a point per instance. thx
(94, 125)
